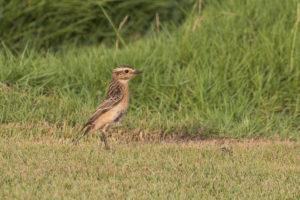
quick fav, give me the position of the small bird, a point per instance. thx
(114, 104)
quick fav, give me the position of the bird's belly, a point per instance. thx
(110, 116)
(114, 114)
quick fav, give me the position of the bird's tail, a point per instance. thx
(87, 129)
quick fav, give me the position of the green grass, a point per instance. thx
(52, 169)
(46, 23)
(230, 77)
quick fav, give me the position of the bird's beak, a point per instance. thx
(137, 71)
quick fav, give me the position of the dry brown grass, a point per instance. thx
(46, 133)
(48, 168)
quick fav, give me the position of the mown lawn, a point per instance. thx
(55, 169)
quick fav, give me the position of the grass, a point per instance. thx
(54, 169)
(231, 71)
(230, 77)
(46, 24)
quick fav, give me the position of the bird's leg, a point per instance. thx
(105, 141)
(104, 137)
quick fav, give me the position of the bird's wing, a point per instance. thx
(106, 105)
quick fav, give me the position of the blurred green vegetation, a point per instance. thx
(234, 72)
(48, 24)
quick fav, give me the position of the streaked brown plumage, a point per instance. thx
(114, 104)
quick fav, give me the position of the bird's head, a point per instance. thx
(124, 73)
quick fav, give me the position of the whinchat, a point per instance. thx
(114, 104)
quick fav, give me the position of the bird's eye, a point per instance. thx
(126, 71)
